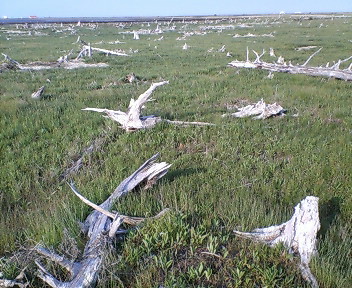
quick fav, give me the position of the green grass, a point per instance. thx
(240, 174)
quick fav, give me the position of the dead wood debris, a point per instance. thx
(101, 226)
(298, 234)
(11, 64)
(38, 94)
(20, 281)
(332, 71)
(132, 119)
(261, 109)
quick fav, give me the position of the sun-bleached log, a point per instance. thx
(261, 109)
(298, 234)
(61, 63)
(281, 66)
(38, 94)
(101, 226)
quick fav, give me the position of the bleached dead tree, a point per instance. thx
(101, 226)
(298, 234)
(333, 71)
(132, 119)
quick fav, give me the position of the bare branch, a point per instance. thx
(89, 203)
(132, 120)
(185, 123)
(311, 56)
(257, 60)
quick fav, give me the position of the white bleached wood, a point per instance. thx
(185, 123)
(298, 234)
(36, 66)
(17, 282)
(281, 66)
(132, 120)
(38, 94)
(311, 56)
(85, 272)
(261, 109)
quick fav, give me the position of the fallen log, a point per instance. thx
(132, 120)
(101, 227)
(333, 71)
(61, 63)
(298, 234)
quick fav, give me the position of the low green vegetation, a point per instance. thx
(240, 174)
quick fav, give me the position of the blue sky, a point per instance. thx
(100, 8)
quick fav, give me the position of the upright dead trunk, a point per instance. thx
(298, 234)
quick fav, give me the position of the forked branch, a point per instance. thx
(132, 119)
(101, 225)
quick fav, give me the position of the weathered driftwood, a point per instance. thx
(132, 120)
(17, 282)
(87, 50)
(261, 109)
(38, 94)
(298, 234)
(34, 66)
(333, 71)
(101, 226)
(185, 123)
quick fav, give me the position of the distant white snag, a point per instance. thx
(298, 234)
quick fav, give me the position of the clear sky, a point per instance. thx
(101, 8)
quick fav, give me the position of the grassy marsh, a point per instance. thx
(239, 174)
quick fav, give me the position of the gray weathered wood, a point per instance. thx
(280, 66)
(298, 234)
(38, 94)
(97, 225)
